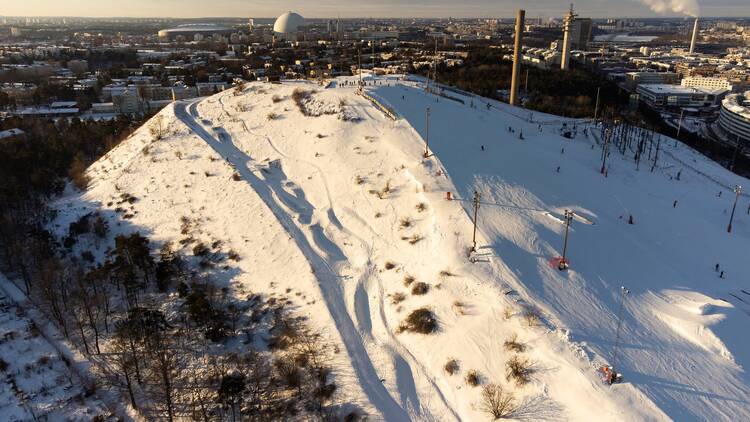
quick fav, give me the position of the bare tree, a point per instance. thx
(157, 128)
(497, 402)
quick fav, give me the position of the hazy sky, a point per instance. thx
(364, 8)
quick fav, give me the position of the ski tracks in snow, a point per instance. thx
(327, 259)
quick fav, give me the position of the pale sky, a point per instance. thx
(364, 8)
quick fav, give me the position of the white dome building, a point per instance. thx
(287, 25)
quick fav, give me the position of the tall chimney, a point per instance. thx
(517, 57)
(695, 36)
(567, 22)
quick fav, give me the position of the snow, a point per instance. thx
(37, 382)
(319, 207)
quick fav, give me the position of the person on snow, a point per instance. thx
(716, 268)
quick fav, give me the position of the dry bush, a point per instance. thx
(239, 89)
(413, 239)
(531, 315)
(397, 298)
(420, 288)
(277, 99)
(460, 307)
(421, 207)
(359, 180)
(272, 116)
(387, 187)
(446, 273)
(497, 402)
(300, 97)
(77, 173)
(389, 265)
(507, 313)
(233, 255)
(200, 249)
(512, 344)
(157, 128)
(519, 370)
(236, 177)
(408, 279)
(451, 367)
(383, 193)
(473, 378)
(405, 222)
(420, 321)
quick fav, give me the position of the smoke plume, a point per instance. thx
(686, 7)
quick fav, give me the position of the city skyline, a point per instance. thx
(373, 8)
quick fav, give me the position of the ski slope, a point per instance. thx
(318, 204)
(683, 343)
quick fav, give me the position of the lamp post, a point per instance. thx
(596, 108)
(477, 196)
(623, 292)
(427, 133)
(737, 191)
(679, 127)
(605, 149)
(563, 265)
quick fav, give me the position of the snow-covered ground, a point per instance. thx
(334, 209)
(37, 384)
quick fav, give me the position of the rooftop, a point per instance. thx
(679, 89)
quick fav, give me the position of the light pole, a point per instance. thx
(679, 127)
(605, 149)
(596, 108)
(613, 374)
(737, 191)
(563, 265)
(359, 54)
(427, 133)
(477, 196)
(736, 150)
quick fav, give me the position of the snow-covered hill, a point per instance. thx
(328, 201)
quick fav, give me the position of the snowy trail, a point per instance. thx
(409, 371)
(325, 257)
(368, 377)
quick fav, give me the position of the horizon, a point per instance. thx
(355, 17)
(373, 9)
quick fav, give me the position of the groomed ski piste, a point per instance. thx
(336, 206)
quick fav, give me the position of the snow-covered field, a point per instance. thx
(337, 210)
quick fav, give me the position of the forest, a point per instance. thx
(570, 94)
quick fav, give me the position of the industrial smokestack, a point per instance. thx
(517, 57)
(695, 36)
(567, 23)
